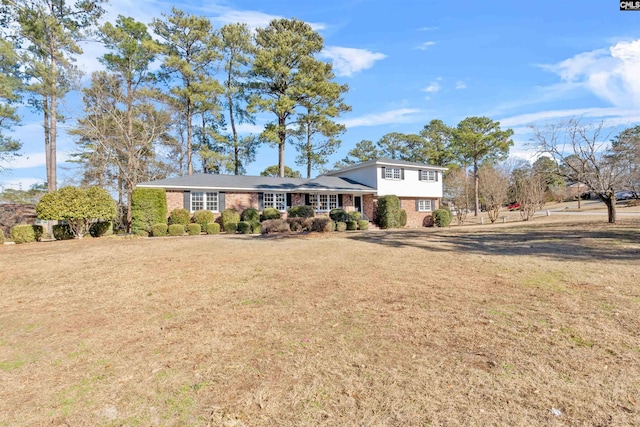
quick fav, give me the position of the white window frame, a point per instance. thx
(394, 174)
(275, 200)
(323, 202)
(429, 176)
(425, 205)
(204, 200)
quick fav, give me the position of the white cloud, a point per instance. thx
(252, 18)
(460, 85)
(32, 160)
(427, 28)
(402, 115)
(348, 60)
(611, 116)
(433, 87)
(425, 45)
(248, 128)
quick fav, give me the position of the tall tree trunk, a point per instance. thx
(189, 141)
(308, 150)
(476, 181)
(232, 121)
(282, 136)
(609, 199)
(47, 141)
(53, 116)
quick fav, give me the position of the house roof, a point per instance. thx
(386, 161)
(259, 183)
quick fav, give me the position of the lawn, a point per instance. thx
(506, 325)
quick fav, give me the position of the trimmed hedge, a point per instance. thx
(194, 229)
(270, 213)
(25, 233)
(159, 229)
(203, 217)
(148, 207)
(354, 216)
(442, 217)
(338, 215)
(352, 225)
(322, 225)
(101, 228)
(229, 215)
(403, 218)
(388, 212)
(363, 224)
(256, 227)
(176, 230)
(301, 212)
(230, 227)
(250, 215)
(275, 226)
(341, 226)
(62, 232)
(179, 216)
(213, 228)
(244, 227)
(300, 223)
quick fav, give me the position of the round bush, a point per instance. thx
(179, 216)
(101, 228)
(270, 213)
(354, 216)
(300, 224)
(229, 215)
(403, 218)
(341, 226)
(322, 225)
(338, 215)
(275, 226)
(159, 229)
(203, 217)
(25, 233)
(230, 227)
(352, 225)
(301, 212)
(213, 228)
(363, 224)
(194, 229)
(441, 218)
(250, 215)
(62, 232)
(244, 227)
(176, 230)
(256, 227)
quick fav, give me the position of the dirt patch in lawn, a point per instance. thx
(520, 325)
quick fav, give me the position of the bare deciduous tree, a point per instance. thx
(458, 188)
(494, 187)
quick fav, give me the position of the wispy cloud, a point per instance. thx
(433, 87)
(427, 28)
(402, 115)
(460, 85)
(32, 160)
(611, 116)
(425, 45)
(252, 18)
(348, 61)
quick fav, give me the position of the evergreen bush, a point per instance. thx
(159, 229)
(352, 225)
(270, 213)
(176, 230)
(355, 216)
(101, 228)
(441, 217)
(230, 227)
(213, 228)
(148, 207)
(403, 218)
(250, 215)
(25, 233)
(194, 229)
(179, 216)
(338, 215)
(229, 215)
(203, 217)
(244, 227)
(62, 232)
(388, 212)
(256, 227)
(300, 212)
(363, 224)
(341, 226)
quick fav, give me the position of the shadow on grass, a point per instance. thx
(562, 242)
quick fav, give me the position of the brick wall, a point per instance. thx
(241, 201)
(347, 202)
(175, 200)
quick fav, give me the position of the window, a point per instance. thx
(323, 202)
(200, 200)
(429, 176)
(393, 173)
(275, 200)
(424, 206)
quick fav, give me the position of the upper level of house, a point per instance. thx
(399, 177)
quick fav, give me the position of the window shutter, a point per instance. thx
(340, 201)
(437, 176)
(186, 200)
(382, 169)
(260, 201)
(417, 205)
(288, 200)
(221, 201)
(307, 202)
(419, 175)
(402, 173)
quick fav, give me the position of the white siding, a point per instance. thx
(366, 176)
(410, 186)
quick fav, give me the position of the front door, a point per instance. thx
(357, 202)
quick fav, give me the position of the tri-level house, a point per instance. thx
(356, 187)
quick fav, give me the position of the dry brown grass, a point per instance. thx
(493, 325)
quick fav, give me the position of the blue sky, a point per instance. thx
(408, 62)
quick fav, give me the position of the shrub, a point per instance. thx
(179, 216)
(79, 207)
(300, 223)
(250, 215)
(159, 229)
(322, 225)
(229, 215)
(354, 216)
(62, 232)
(275, 226)
(203, 217)
(388, 212)
(341, 226)
(213, 228)
(256, 227)
(101, 228)
(176, 230)
(244, 227)
(441, 217)
(301, 212)
(194, 229)
(270, 213)
(352, 225)
(25, 233)
(338, 215)
(1, 237)
(363, 224)
(148, 207)
(403, 218)
(230, 227)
